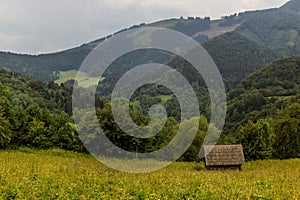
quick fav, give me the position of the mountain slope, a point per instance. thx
(47, 67)
(292, 6)
(196, 26)
(263, 92)
(277, 29)
(237, 56)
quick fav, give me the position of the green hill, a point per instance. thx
(48, 67)
(277, 29)
(45, 67)
(236, 56)
(263, 93)
(38, 114)
(292, 6)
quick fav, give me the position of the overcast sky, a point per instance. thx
(39, 26)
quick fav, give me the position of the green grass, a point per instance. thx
(65, 76)
(293, 38)
(164, 23)
(57, 174)
(165, 98)
(84, 80)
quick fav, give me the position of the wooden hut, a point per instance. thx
(222, 157)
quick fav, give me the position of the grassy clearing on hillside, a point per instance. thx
(58, 174)
(85, 80)
(164, 23)
(65, 76)
(165, 98)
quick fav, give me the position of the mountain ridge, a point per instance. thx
(47, 67)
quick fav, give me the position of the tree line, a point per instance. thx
(39, 115)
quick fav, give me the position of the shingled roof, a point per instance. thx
(223, 155)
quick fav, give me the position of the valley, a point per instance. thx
(44, 156)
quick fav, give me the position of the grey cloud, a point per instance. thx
(38, 26)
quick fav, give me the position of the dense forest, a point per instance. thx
(36, 114)
(263, 115)
(267, 103)
(258, 60)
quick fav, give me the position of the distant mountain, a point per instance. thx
(276, 29)
(237, 56)
(45, 67)
(239, 44)
(197, 27)
(292, 6)
(250, 56)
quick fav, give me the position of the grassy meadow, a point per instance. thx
(83, 78)
(58, 174)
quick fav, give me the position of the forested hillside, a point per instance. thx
(45, 67)
(275, 29)
(263, 94)
(35, 114)
(282, 30)
(264, 91)
(237, 56)
(39, 115)
(292, 5)
(264, 108)
(249, 57)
